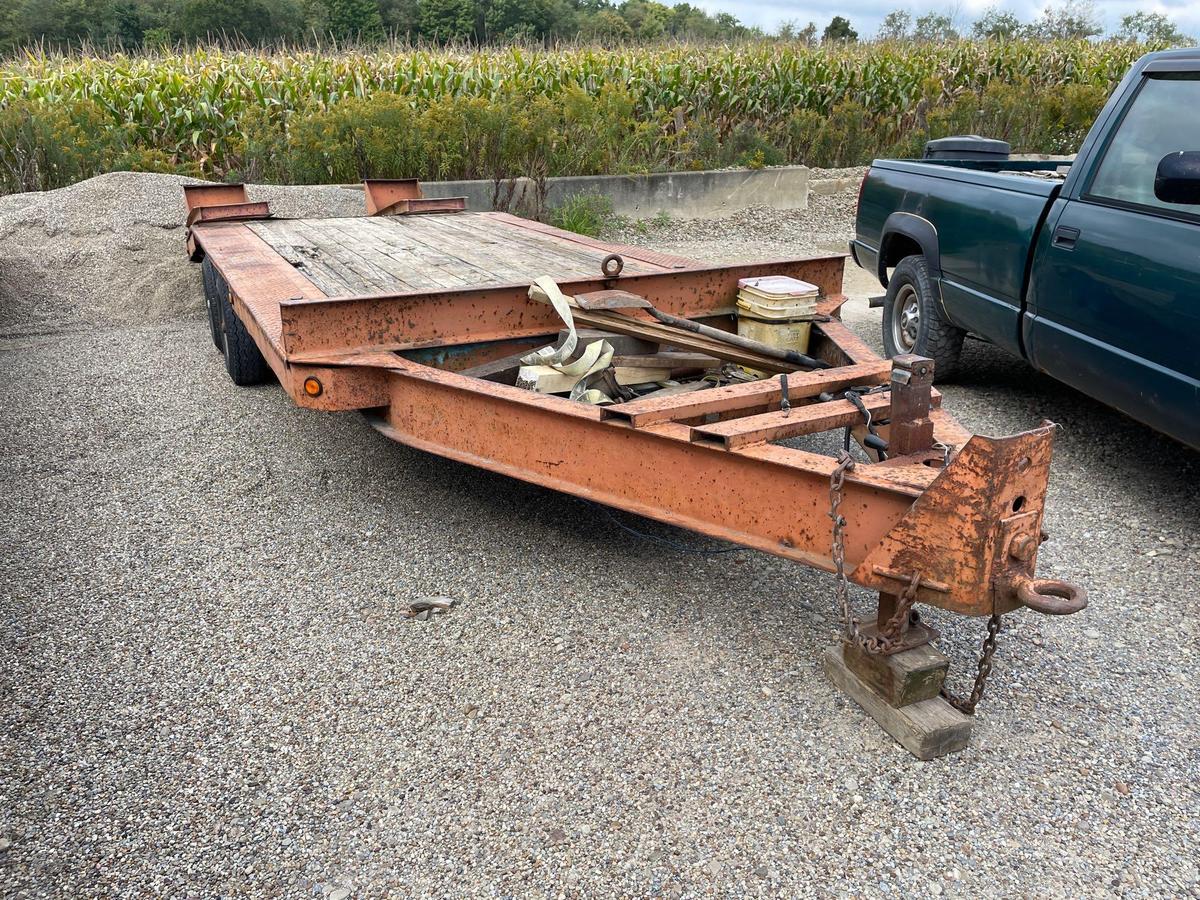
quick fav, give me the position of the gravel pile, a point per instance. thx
(106, 250)
(210, 688)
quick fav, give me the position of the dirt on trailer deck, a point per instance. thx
(210, 685)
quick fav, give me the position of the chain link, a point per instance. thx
(836, 480)
(893, 631)
(982, 672)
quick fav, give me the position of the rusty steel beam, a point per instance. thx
(381, 193)
(782, 424)
(653, 471)
(316, 327)
(748, 395)
(771, 498)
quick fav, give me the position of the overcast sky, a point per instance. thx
(865, 15)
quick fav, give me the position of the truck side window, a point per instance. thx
(1162, 119)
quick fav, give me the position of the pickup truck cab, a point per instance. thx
(1088, 269)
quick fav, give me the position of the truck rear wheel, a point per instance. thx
(913, 321)
(243, 360)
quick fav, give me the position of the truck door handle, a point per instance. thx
(1065, 237)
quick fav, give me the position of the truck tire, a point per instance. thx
(913, 321)
(243, 360)
(214, 287)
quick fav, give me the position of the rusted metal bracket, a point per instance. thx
(219, 203)
(911, 428)
(403, 196)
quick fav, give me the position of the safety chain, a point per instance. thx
(836, 479)
(891, 632)
(981, 675)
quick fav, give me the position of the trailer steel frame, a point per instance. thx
(955, 517)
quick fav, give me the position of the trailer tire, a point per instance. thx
(214, 287)
(243, 360)
(913, 321)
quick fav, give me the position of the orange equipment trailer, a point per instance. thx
(408, 312)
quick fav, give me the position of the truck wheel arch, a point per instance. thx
(905, 234)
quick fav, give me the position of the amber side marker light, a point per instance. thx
(312, 387)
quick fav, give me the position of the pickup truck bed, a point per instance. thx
(984, 212)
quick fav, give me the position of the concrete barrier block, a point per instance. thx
(684, 195)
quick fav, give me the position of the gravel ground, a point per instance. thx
(209, 689)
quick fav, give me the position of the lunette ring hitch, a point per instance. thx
(1051, 596)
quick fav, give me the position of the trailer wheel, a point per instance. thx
(214, 287)
(913, 321)
(243, 360)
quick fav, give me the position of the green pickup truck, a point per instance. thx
(1088, 269)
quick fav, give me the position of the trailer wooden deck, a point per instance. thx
(395, 254)
(398, 314)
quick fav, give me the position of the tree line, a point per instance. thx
(140, 23)
(134, 24)
(1066, 20)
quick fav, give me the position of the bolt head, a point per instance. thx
(1022, 547)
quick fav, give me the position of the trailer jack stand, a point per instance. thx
(902, 688)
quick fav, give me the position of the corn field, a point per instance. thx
(190, 111)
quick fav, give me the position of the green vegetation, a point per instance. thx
(499, 114)
(587, 213)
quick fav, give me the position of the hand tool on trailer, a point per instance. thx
(618, 300)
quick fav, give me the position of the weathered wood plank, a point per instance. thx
(640, 254)
(637, 260)
(780, 425)
(284, 238)
(902, 678)
(750, 395)
(551, 241)
(349, 254)
(481, 251)
(431, 262)
(927, 730)
(528, 252)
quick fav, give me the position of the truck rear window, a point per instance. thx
(1161, 120)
